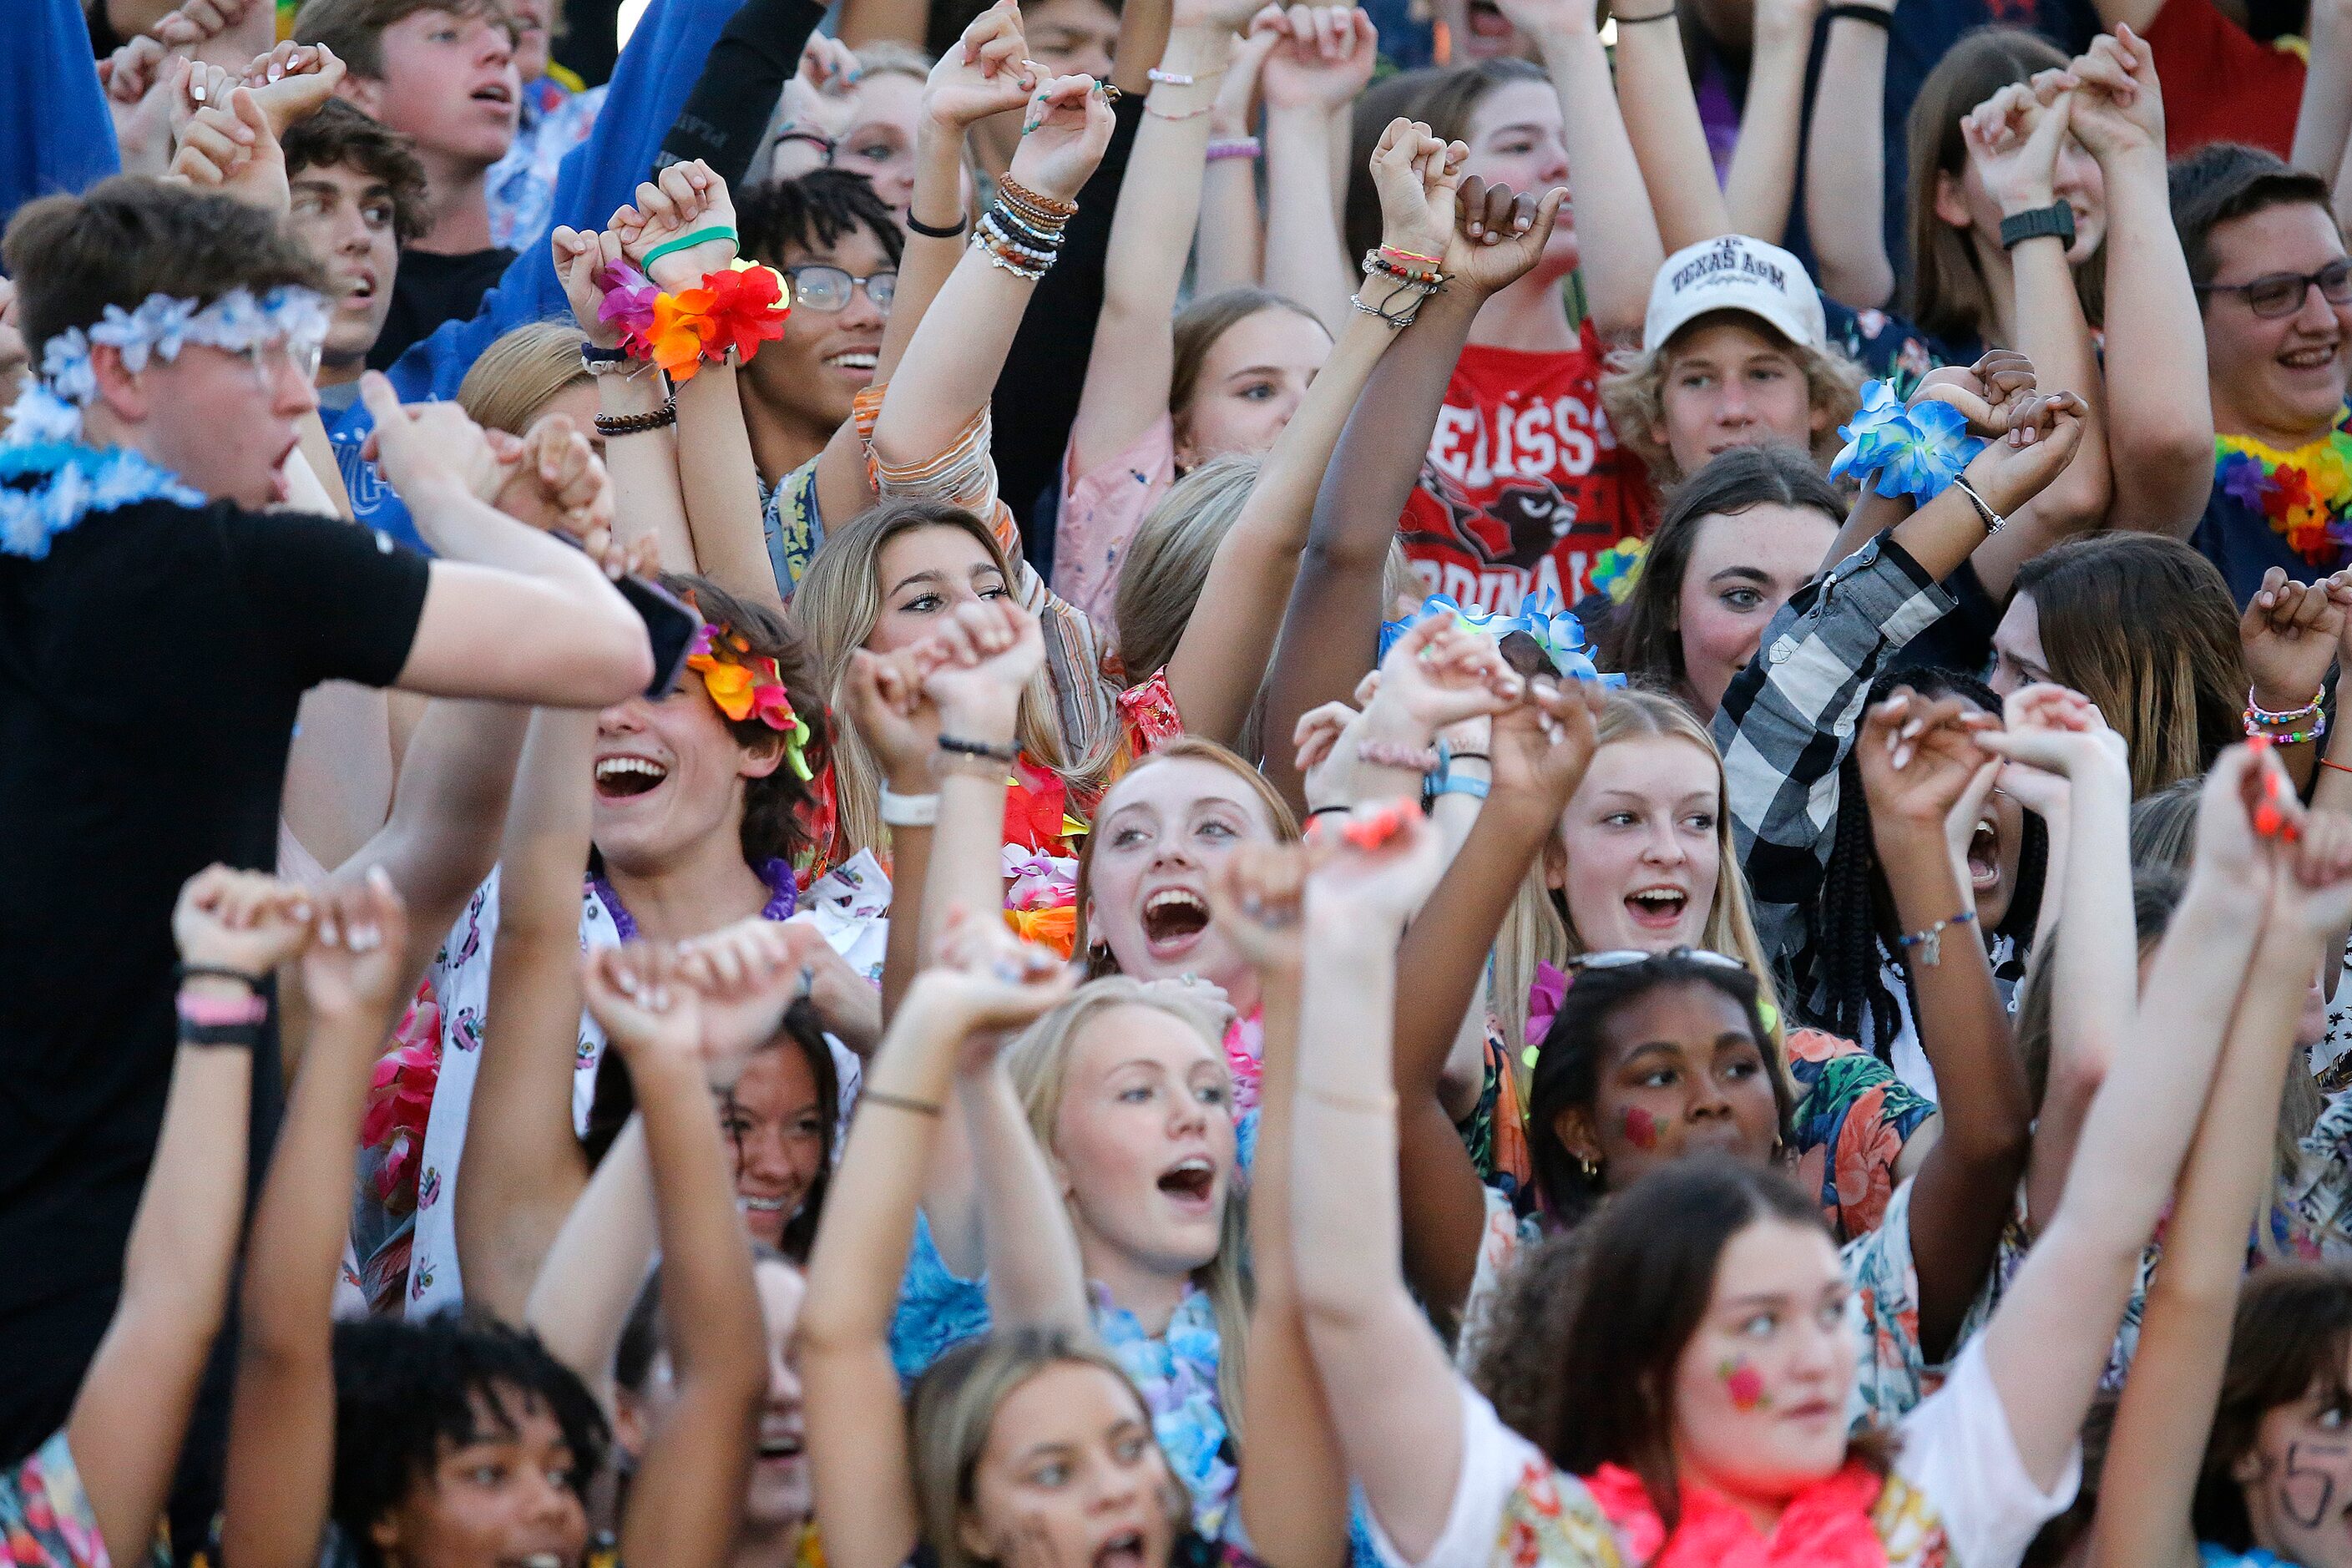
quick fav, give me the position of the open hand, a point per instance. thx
(1064, 132)
(357, 968)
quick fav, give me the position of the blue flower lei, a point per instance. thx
(1177, 1376)
(1558, 633)
(44, 442)
(1916, 451)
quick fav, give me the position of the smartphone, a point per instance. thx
(670, 625)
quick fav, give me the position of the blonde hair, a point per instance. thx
(519, 372)
(891, 57)
(1633, 395)
(1039, 1063)
(955, 1405)
(1539, 929)
(1168, 562)
(839, 602)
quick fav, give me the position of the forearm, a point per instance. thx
(1329, 634)
(1304, 258)
(2096, 979)
(1220, 659)
(1344, 1201)
(592, 1276)
(1227, 249)
(1619, 243)
(1762, 181)
(1653, 89)
(2159, 417)
(952, 364)
(1845, 178)
(1445, 947)
(929, 260)
(717, 479)
(966, 870)
(646, 471)
(902, 953)
(2323, 121)
(2052, 334)
(1034, 1278)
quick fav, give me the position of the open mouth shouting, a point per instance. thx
(1658, 908)
(624, 777)
(1488, 22)
(1173, 919)
(1984, 856)
(494, 92)
(1124, 1549)
(1190, 1185)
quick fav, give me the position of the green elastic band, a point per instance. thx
(688, 241)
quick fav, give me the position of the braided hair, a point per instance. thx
(1841, 973)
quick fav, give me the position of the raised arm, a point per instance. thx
(688, 1484)
(2324, 120)
(281, 1441)
(580, 1304)
(1220, 660)
(1762, 183)
(1653, 91)
(954, 359)
(866, 1507)
(1920, 762)
(1331, 627)
(1616, 231)
(1293, 1489)
(2049, 1340)
(1845, 165)
(524, 1168)
(2167, 1412)
(2159, 417)
(1229, 243)
(233, 929)
(1393, 1396)
(1318, 67)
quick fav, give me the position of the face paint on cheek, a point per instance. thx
(1744, 1384)
(1640, 1128)
(2307, 1486)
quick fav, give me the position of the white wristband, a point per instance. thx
(910, 810)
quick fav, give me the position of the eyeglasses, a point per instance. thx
(2277, 294)
(271, 358)
(1627, 957)
(827, 289)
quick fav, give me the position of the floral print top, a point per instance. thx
(1851, 1122)
(45, 1518)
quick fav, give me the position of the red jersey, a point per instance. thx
(1524, 483)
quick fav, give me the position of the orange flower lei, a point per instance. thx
(734, 310)
(748, 687)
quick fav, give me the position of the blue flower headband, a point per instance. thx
(49, 408)
(1916, 451)
(1555, 631)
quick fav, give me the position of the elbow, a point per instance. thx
(619, 661)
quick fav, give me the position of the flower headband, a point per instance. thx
(49, 408)
(746, 686)
(1559, 634)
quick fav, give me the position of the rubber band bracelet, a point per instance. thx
(244, 1037)
(898, 1103)
(187, 972)
(1869, 16)
(2296, 736)
(1343, 810)
(2339, 767)
(688, 241)
(1236, 147)
(956, 746)
(250, 1008)
(938, 231)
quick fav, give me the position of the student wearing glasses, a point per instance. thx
(2276, 293)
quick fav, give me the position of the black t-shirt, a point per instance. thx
(431, 288)
(150, 665)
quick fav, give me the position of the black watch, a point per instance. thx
(2057, 218)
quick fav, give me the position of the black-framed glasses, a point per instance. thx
(2276, 294)
(827, 289)
(1627, 957)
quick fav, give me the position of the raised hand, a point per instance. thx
(1542, 745)
(1064, 131)
(423, 445)
(2247, 811)
(580, 255)
(1377, 862)
(1325, 739)
(1324, 60)
(1417, 177)
(2314, 889)
(2118, 104)
(1498, 236)
(2044, 431)
(555, 482)
(975, 666)
(356, 968)
(650, 1015)
(1440, 673)
(231, 149)
(989, 981)
(749, 973)
(242, 920)
(988, 72)
(293, 81)
(883, 698)
(2062, 731)
(1256, 893)
(142, 82)
(683, 199)
(1918, 757)
(1237, 94)
(2289, 634)
(1987, 392)
(2013, 138)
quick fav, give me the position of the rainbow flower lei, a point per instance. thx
(745, 686)
(733, 310)
(2305, 495)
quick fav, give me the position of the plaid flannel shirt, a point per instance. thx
(1788, 720)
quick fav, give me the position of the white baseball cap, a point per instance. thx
(1734, 272)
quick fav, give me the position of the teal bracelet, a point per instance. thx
(1460, 784)
(688, 241)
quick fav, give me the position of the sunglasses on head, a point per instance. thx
(1628, 957)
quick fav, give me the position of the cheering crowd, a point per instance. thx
(1150, 783)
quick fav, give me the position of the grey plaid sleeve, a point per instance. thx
(1789, 718)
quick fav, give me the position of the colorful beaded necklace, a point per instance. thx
(2305, 494)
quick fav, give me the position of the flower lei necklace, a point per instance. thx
(783, 897)
(1177, 1376)
(2305, 494)
(44, 439)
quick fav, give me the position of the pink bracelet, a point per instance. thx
(1239, 147)
(1388, 754)
(210, 1010)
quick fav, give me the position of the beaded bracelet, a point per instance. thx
(639, 424)
(1930, 942)
(1388, 754)
(1178, 79)
(1377, 261)
(1020, 194)
(2257, 714)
